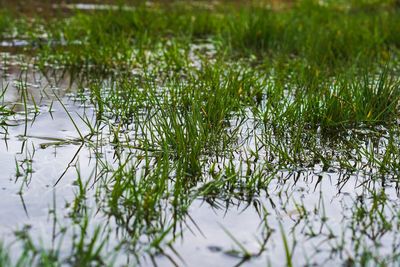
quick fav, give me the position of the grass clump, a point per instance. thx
(351, 100)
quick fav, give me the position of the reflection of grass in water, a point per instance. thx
(308, 89)
(4, 110)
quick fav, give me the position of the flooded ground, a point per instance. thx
(182, 152)
(320, 214)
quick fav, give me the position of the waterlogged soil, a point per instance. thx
(318, 216)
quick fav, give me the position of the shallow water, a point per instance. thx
(40, 146)
(92, 7)
(41, 157)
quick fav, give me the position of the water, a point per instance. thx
(326, 216)
(38, 145)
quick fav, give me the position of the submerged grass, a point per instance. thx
(227, 103)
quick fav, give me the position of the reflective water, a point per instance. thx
(326, 217)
